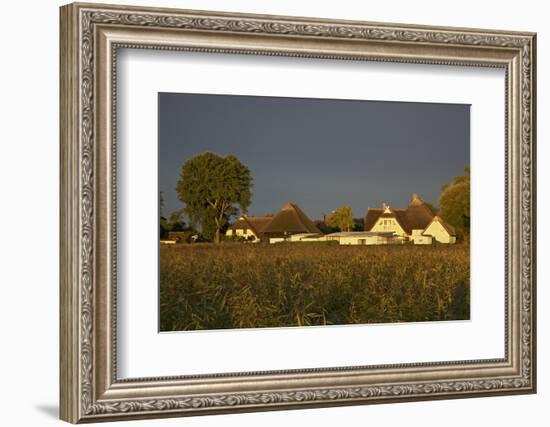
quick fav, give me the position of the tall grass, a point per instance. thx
(205, 286)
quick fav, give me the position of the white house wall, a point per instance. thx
(363, 240)
(422, 240)
(240, 232)
(439, 233)
(391, 225)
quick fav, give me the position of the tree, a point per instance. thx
(358, 224)
(173, 223)
(214, 188)
(454, 203)
(163, 225)
(341, 218)
(176, 222)
(161, 204)
(208, 224)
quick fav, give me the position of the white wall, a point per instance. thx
(29, 170)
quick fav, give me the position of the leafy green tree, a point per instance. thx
(176, 221)
(358, 224)
(454, 203)
(341, 218)
(163, 225)
(208, 224)
(164, 229)
(214, 188)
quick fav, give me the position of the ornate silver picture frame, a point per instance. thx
(90, 387)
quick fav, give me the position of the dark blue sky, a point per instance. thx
(318, 153)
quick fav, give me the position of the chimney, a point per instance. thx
(416, 200)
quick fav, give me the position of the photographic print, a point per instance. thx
(281, 212)
(231, 181)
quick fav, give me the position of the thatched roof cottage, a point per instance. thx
(418, 222)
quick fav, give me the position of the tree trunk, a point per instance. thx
(218, 220)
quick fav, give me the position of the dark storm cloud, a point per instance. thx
(318, 153)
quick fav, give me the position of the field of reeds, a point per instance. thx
(235, 285)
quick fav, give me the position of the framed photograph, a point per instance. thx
(266, 212)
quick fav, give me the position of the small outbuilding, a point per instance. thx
(441, 231)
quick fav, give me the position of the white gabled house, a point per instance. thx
(291, 224)
(417, 223)
(249, 227)
(440, 231)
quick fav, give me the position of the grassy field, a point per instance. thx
(206, 286)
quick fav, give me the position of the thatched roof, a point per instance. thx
(290, 220)
(419, 214)
(416, 216)
(254, 223)
(372, 216)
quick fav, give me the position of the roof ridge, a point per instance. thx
(450, 229)
(291, 217)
